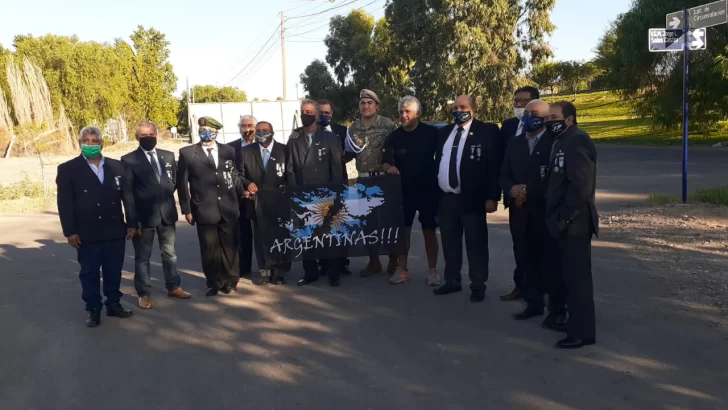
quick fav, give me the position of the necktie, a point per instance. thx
(153, 160)
(209, 156)
(266, 157)
(453, 171)
(308, 140)
(531, 144)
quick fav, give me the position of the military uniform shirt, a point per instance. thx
(370, 160)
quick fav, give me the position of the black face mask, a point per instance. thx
(148, 143)
(555, 127)
(307, 120)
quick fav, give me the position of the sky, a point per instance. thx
(234, 33)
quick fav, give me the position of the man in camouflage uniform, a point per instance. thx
(365, 141)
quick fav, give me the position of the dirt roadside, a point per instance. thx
(685, 244)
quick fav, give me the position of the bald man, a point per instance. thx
(523, 175)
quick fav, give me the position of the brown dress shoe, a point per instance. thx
(514, 295)
(373, 267)
(145, 302)
(179, 294)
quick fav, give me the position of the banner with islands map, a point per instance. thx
(331, 221)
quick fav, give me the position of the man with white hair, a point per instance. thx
(247, 137)
(91, 192)
(410, 152)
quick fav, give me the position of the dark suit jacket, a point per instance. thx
(154, 199)
(479, 175)
(238, 157)
(508, 131)
(271, 177)
(570, 194)
(93, 210)
(210, 194)
(340, 131)
(520, 167)
(319, 164)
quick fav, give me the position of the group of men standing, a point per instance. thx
(452, 177)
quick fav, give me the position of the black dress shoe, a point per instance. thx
(334, 282)
(447, 289)
(574, 343)
(211, 292)
(528, 313)
(264, 280)
(305, 281)
(477, 296)
(515, 294)
(225, 290)
(94, 318)
(555, 322)
(116, 310)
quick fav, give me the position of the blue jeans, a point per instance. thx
(143, 251)
(106, 255)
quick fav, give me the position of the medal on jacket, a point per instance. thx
(168, 168)
(321, 153)
(543, 171)
(280, 168)
(472, 152)
(561, 161)
(478, 151)
(117, 180)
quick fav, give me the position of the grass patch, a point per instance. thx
(609, 119)
(713, 196)
(27, 188)
(660, 199)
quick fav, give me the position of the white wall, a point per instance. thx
(283, 115)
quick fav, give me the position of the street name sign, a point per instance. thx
(707, 15)
(662, 40)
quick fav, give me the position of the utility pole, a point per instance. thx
(283, 52)
(189, 118)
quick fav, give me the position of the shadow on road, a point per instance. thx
(366, 345)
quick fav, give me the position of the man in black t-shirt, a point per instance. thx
(410, 152)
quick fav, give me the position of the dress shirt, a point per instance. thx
(443, 175)
(537, 137)
(99, 171)
(519, 130)
(270, 151)
(156, 156)
(214, 153)
(243, 143)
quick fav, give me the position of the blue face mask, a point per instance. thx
(461, 117)
(207, 135)
(532, 123)
(324, 121)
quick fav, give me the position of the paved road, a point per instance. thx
(366, 345)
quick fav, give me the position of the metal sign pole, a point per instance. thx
(686, 87)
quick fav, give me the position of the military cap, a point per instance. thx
(209, 122)
(368, 94)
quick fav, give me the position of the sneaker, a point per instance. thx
(401, 276)
(145, 302)
(433, 278)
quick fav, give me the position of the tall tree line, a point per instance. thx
(654, 80)
(96, 82)
(436, 50)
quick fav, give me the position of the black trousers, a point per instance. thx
(553, 276)
(219, 249)
(575, 258)
(454, 221)
(528, 230)
(279, 269)
(246, 246)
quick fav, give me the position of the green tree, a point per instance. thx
(653, 81)
(206, 94)
(577, 75)
(464, 47)
(547, 75)
(154, 78)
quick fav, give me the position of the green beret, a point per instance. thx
(209, 122)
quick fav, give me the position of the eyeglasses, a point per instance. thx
(522, 100)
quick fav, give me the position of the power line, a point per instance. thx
(256, 55)
(325, 11)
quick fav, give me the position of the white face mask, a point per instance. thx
(519, 112)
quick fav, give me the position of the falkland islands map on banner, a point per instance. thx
(329, 221)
